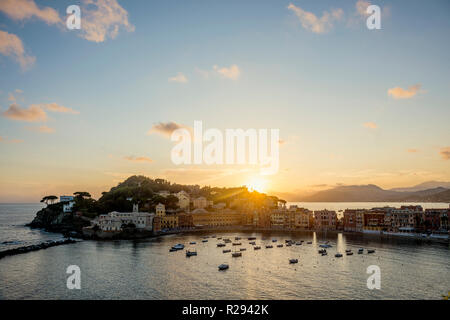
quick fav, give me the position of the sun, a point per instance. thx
(257, 184)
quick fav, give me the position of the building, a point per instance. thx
(325, 219)
(374, 221)
(404, 219)
(114, 221)
(217, 219)
(164, 221)
(68, 203)
(435, 220)
(183, 200)
(201, 203)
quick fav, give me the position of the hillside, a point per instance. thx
(373, 193)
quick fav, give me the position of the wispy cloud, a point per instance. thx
(445, 153)
(233, 72)
(313, 23)
(138, 159)
(370, 125)
(166, 128)
(12, 47)
(42, 129)
(103, 19)
(26, 9)
(180, 78)
(5, 140)
(412, 150)
(54, 107)
(33, 114)
(400, 93)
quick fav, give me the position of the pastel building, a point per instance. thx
(325, 219)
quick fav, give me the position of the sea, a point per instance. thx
(145, 269)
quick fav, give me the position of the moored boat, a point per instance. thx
(236, 254)
(221, 245)
(269, 246)
(252, 243)
(338, 255)
(190, 253)
(360, 250)
(371, 251)
(279, 246)
(237, 243)
(309, 242)
(226, 250)
(242, 249)
(223, 266)
(349, 253)
(192, 242)
(293, 260)
(257, 248)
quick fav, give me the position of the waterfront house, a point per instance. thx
(68, 203)
(325, 219)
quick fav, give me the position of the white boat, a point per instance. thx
(223, 267)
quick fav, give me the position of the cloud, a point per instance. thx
(445, 153)
(103, 19)
(180, 78)
(4, 140)
(167, 128)
(42, 129)
(54, 107)
(370, 125)
(361, 7)
(27, 9)
(315, 24)
(399, 93)
(12, 47)
(138, 159)
(33, 114)
(232, 72)
(412, 150)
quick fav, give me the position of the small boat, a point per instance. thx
(237, 243)
(226, 251)
(190, 253)
(274, 240)
(223, 267)
(213, 237)
(279, 246)
(242, 249)
(325, 245)
(257, 248)
(221, 245)
(287, 241)
(348, 250)
(236, 254)
(237, 238)
(226, 240)
(205, 240)
(360, 250)
(192, 242)
(252, 243)
(338, 255)
(269, 246)
(172, 250)
(178, 246)
(220, 238)
(298, 243)
(349, 253)
(288, 244)
(322, 251)
(251, 238)
(371, 251)
(309, 242)
(293, 260)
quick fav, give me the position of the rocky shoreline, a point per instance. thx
(35, 247)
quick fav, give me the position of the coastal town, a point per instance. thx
(203, 214)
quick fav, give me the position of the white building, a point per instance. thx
(113, 221)
(67, 202)
(202, 203)
(183, 200)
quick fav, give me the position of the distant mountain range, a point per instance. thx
(432, 191)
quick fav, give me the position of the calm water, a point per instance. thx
(410, 269)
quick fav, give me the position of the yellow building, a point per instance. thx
(164, 221)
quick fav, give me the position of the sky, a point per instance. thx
(81, 110)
